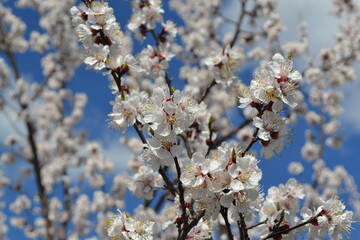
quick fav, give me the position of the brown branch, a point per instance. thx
(160, 202)
(13, 63)
(187, 144)
(207, 90)
(239, 22)
(67, 205)
(243, 229)
(139, 132)
(220, 140)
(38, 178)
(191, 225)
(169, 185)
(274, 234)
(224, 212)
(253, 140)
(210, 142)
(42, 86)
(35, 161)
(181, 196)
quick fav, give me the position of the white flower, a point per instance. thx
(124, 227)
(286, 78)
(195, 170)
(246, 201)
(97, 56)
(147, 14)
(245, 173)
(203, 230)
(100, 14)
(123, 115)
(139, 229)
(283, 69)
(149, 156)
(311, 151)
(225, 63)
(116, 226)
(269, 125)
(276, 82)
(263, 87)
(295, 168)
(167, 113)
(122, 64)
(170, 29)
(331, 219)
(287, 195)
(165, 148)
(144, 182)
(151, 13)
(245, 98)
(276, 144)
(155, 61)
(206, 200)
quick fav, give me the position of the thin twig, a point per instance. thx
(207, 90)
(258, 224)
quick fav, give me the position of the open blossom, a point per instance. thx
(282, 201)
(285, 197)
(195, 170)
(144, 182)
(155, 61)
(99, 20)
(124, 227)
(331, 218)
(269, 125)
(97, 56)
(122, 64)
(276, 144)
(164, 148)
(101, 36)
(123, 115)
(262, 87)
(167, 113)
(126, 111)
(225, 63)
(286, 77)
(246, 202)
(276, 82)
(203, 230)
(169, 31)
(245, 173)
(206, 200)
(145, 15)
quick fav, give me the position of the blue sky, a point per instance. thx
(274, 170)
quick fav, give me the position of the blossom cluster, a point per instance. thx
(271, 87)
(197, 139)
(214, 180)
(102, 38)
